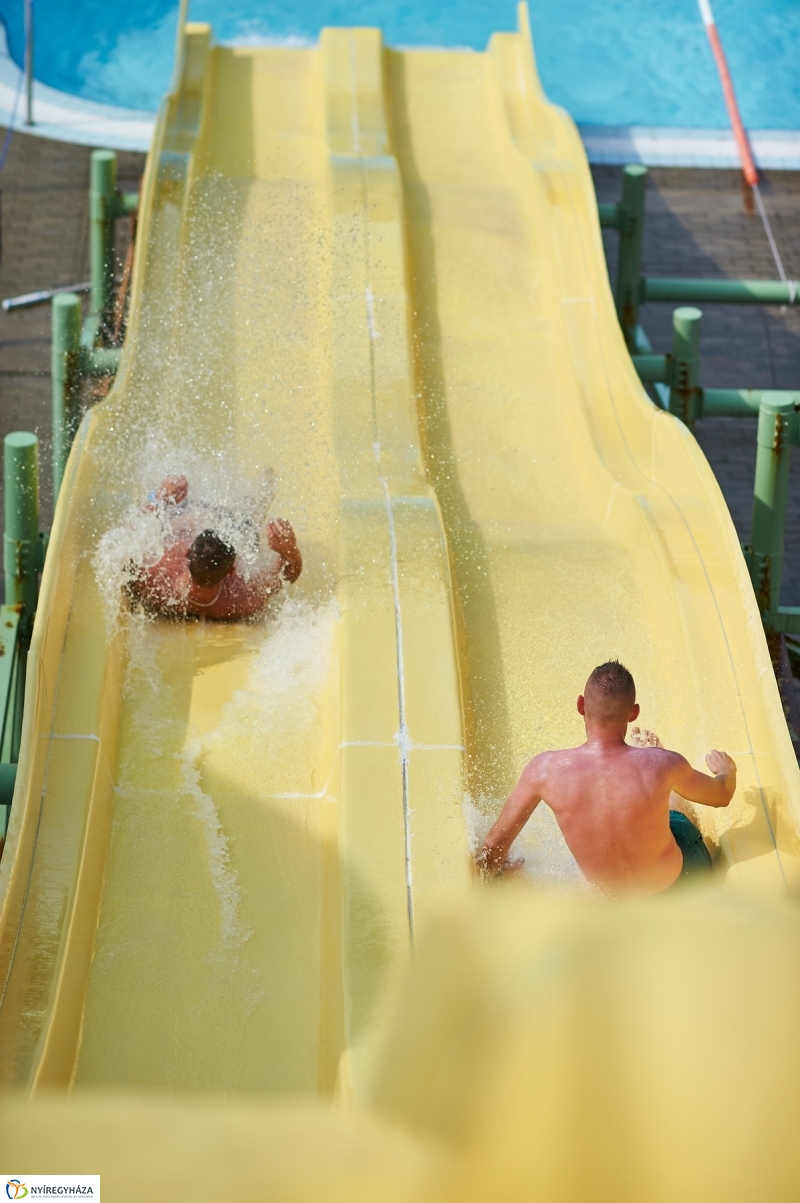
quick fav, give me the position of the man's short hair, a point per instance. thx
(210, 558)
(610, 690)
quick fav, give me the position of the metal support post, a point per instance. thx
(21, 538)
(629, 264)
(29, 62)
(66, 355)
(684, 393)
(102, 212)
(764, 554)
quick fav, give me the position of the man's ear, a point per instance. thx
(634, 712)
(581, 705)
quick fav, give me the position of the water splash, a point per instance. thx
(221, 497)
(283, 698)
(548, 860)
(224, 878)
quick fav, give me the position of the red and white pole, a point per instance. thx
(745, 154)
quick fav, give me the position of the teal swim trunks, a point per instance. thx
(696, 857)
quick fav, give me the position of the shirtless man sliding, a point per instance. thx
(198, 575)
(611, 800)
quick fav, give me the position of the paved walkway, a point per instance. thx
(45, 243)
(696, 225)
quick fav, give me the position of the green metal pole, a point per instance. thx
(66, 355)
(629, 264)
(731, 402)
(21, 538)
(684, 394)
(745, 402)
(610, 216)
(8, 777)
(765, 553)
(653, 369)
(102, 361)
(102, 206)
(730, 292)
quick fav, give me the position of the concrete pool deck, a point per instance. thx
(696, 225)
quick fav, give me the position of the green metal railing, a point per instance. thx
(24, 548)
(106, 204)
(725, 292)
(675, 379)
(634, 289)
(78, 346)
(79, 349)
(777, 430)
(72, 359)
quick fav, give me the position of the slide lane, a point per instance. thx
(583, 523)
(379, 273)
(281, 802)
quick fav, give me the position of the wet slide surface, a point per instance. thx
(378, 274)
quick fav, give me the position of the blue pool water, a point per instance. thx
(609, 62)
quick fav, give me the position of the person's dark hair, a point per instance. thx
(210, 558)
(610, 690)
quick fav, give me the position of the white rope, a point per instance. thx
(773, 246)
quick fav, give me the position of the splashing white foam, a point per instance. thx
(226, 500)
(223, 877)
(547, 858)
(283, 697)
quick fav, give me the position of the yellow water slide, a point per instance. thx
(380, 274)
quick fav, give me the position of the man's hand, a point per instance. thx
(281, 536)
(721, 764)
(174, 489)
(490, 866)
(282, 540)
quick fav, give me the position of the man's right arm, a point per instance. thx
(517, 809)
(698, 787)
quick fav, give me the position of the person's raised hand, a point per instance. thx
(174, 489)
(720, 763)
(281, 537)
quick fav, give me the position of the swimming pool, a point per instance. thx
(609, 62)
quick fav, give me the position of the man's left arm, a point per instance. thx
(517, 809)
(282, 540)
(716, 790)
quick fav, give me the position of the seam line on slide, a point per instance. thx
(403, 741)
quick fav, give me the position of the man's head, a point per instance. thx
(609, 698)
(210, 558)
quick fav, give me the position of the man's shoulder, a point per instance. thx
(659, 760)
(551, 761)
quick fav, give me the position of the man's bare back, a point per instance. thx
(611, 800)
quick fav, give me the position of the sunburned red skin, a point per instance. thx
(611, 802)
(168, 587)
